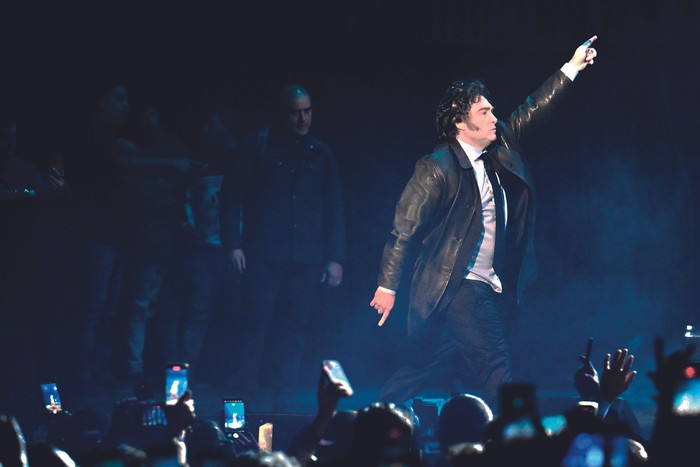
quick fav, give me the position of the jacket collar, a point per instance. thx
(459, 154)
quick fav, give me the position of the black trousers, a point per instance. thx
(278, 301)
(468, 329)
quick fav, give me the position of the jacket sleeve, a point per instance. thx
(231, 202)
(414, 212)
(333, 213)
(539, 105)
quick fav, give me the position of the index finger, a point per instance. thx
(590, 41)
(589, 347)
(658, 351)
(385, 315)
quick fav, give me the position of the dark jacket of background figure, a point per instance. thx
(440, 202)
(292, 198)
(97, 186)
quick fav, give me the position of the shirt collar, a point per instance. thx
(472, 153)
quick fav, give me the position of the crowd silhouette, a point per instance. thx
(380, 433)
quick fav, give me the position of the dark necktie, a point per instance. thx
(499, 252)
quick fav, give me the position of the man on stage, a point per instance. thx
(467, 215)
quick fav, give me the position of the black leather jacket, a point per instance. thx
(441, 201)
(286, 193)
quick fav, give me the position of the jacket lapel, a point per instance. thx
(459, 153)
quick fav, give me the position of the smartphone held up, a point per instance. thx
(234, 414)
(335, 374)
(176, 382)
(52, 400)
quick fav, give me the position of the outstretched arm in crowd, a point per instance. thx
(328, 395)
(674, 434)
(670, 372)
(13, 448)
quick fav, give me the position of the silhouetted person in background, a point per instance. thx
(158, 172)
(467, 214)
(283, 225)
(24, 226)
(95, 187)
(209, 283)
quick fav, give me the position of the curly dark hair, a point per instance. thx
(455, 104)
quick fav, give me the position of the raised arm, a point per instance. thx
(540, 104)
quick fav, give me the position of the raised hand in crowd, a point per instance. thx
(56, 175)
(180, 415)
(674, 435)
(328, 395)
(616, 378)
(670, 372)
(586, 380)
(605, 390)
(617, 374)
(13, 448)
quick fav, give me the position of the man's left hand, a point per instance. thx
(332, 274)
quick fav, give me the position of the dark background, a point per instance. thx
(616, 169)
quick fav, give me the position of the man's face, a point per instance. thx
(479, 127)
(298, 115)
(115, 104)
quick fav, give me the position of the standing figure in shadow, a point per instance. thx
(283, 226)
